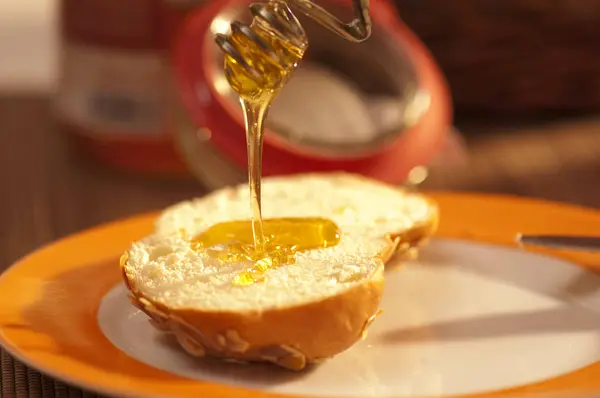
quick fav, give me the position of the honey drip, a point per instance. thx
(273, 73)
(272, 243)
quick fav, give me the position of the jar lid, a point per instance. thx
(378, 108)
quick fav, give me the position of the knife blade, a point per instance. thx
(583, 243)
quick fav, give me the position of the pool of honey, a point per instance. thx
(270, 243)
(233, 242)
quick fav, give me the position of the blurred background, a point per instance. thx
(110, 108)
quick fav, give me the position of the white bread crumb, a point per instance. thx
(164, 267)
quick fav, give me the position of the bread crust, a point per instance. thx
(410, 240)
(290, 337)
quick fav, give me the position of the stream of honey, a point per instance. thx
(269, 243)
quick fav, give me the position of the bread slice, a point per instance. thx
(301, 313)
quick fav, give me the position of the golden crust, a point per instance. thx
(290, 337)
(410, 240)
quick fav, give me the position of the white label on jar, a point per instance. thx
(112, 92)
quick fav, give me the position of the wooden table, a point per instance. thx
(48, 191)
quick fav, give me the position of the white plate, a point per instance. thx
(502, 316)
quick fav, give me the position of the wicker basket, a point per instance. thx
(522, 56)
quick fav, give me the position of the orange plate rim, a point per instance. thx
(67, 343)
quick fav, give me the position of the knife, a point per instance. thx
(584, 243)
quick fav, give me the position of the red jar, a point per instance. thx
(113, 90)
(142, 75)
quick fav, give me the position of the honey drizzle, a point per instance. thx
(287, 235)
(254, 115)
